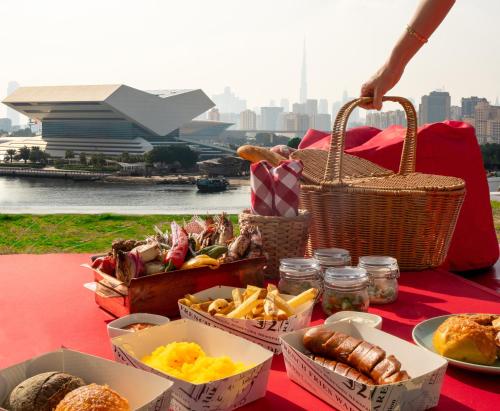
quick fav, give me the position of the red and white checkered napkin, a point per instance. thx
(262, 189)
(275, 191)
(287, 187)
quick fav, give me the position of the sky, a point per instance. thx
(255, 47)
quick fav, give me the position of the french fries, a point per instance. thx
(252, 304)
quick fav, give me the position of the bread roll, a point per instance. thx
(463, 339)
(42, 392)
(255, 154)
(93, 397)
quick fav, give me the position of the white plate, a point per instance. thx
(422, 335)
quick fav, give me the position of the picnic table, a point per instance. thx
(44, 306)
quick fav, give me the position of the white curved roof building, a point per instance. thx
(110, 119)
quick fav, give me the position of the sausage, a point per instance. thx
(352, 357)
(315, 338)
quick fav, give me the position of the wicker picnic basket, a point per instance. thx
(410, 216)
(282, 237)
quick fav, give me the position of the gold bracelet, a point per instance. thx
(413, 33)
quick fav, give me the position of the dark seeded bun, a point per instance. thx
(43, 392)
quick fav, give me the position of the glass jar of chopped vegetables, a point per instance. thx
(298, 275)
(331, 257)
(345, 289)
(384, 273)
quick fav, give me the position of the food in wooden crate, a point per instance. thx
(471, 338)
(93, 397)
(352, 357)
(253, 304)
(187, 361)
(200, 242)
(42, 392)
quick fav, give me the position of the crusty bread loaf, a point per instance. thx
(93, 397)
(255, 154)
(42, 392)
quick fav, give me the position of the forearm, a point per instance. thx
(425, 21)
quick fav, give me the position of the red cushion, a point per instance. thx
(320, 140)
(449, 148)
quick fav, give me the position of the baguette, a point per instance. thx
(255, 154)
(351, 353)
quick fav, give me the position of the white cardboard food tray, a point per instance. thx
(225, 394)
(144, 391)
(419, 393)
(265, 333)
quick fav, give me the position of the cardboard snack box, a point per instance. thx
(264, 333)
(143, 390)
(419, 393)
(225, 394)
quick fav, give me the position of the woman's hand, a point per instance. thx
(380, 83)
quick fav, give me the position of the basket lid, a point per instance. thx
(315, 162)
(411, 181)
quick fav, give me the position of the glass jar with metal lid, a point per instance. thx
(384, 273)
(332, 257)
(298, 275)
(345, 289)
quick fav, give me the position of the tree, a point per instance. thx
(491, 156)
(11, 153)
(24, 132)
(37, 155)
(83, 158)
(125, 157)
(97, 160)
(24, 153)
(182, 154)
(294, 142)
(69, 154)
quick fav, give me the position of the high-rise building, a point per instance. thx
(311, 107)
(285, 104)
(469, 104)
(382, 120)
(5, 125)
(299, 108)
(228, 102)
(248, 120)
(435, 107)
(323, 106)
(322, 121)
(13, 115)
(214, 114)
(270, 117)
(335, 109)
(486, 121)
(296, 122)
(455, 113)
(303, 77)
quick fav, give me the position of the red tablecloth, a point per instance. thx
(44, 306)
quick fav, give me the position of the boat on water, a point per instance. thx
(211, 185)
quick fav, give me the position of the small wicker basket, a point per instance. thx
(410, 216)
(282, 237)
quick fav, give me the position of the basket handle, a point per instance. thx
(333, 171)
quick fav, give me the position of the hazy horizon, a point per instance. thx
(256, 50)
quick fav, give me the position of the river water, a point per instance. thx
(53, 196)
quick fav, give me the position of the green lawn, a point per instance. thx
(495, 205)
(89, 233)
(75, 233)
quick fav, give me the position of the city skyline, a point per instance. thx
(257, 50)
